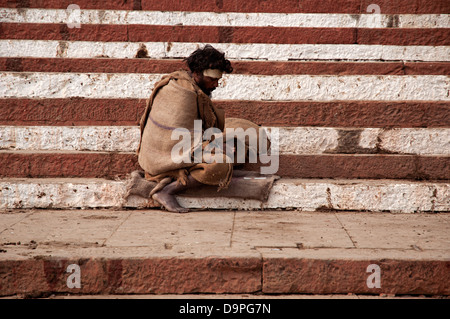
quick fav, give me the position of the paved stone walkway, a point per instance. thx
(222, 252)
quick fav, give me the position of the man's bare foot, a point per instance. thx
(169, 202)
(166, 196)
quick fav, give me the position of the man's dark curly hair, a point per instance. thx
(208, 58)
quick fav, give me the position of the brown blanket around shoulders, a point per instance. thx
(175, 104)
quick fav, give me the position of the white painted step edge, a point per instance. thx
(300, 194)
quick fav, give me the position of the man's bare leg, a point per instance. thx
(166, 196)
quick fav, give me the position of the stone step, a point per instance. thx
(288, 140)
(111, 165)
(235, 86)
(257, 51)
(276, 274)
(161, 66)
(301, 194)
(173, 17)
(281, 6)
(221, 34)
(127, 111)
(237, 252)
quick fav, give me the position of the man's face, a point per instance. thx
(206, 83)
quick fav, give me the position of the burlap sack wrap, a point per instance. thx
(174, 104)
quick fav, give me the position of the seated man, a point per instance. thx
(180, 101)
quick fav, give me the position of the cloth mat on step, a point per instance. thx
(244, 184)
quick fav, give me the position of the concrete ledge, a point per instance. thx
(301, 194)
